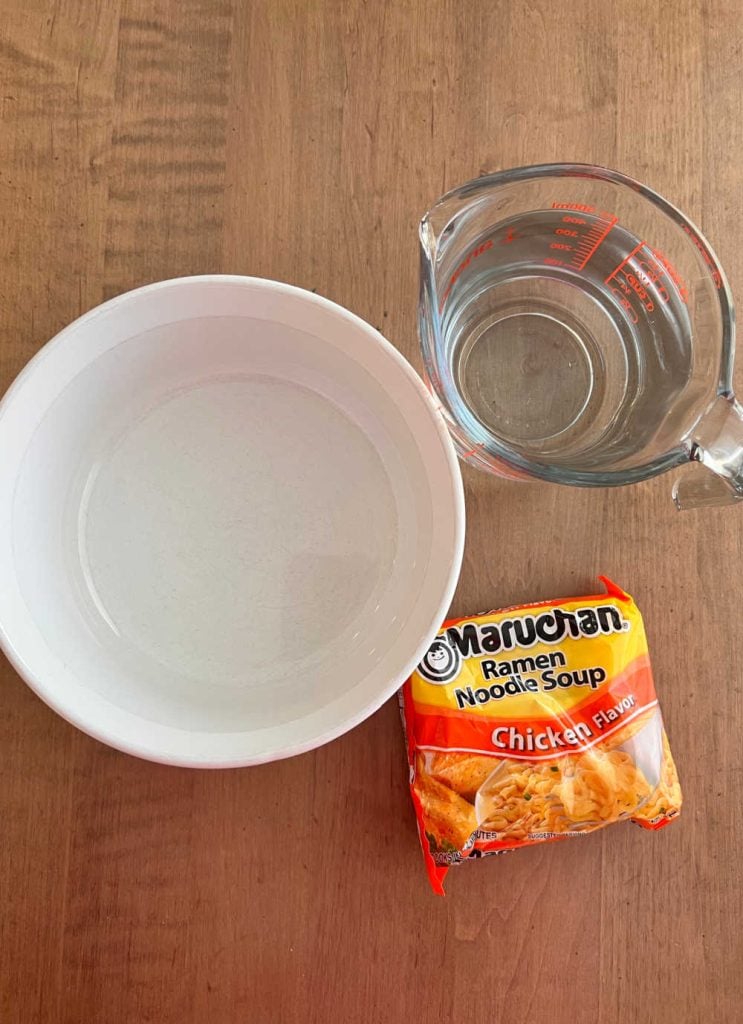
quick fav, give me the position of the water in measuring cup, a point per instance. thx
(568, 364)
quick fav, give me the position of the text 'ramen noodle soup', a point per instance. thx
(534, 723)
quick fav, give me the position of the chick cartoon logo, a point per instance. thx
(441, 662)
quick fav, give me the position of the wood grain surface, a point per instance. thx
(144, 139)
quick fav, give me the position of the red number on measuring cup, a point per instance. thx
(625, 303)
(650, 274)
(639, 291)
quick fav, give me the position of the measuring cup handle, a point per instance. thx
(719, 450)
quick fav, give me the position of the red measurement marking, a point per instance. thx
(625, 260)
(625, 303)
(592, 241)
(463, 266)
(714, 272)
(574, 206)
(510, 237)
(466, 455)
(671, 272)
(650, 275)
(639, 291)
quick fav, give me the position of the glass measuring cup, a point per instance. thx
(576, 327)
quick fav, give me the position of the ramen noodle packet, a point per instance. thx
(534, 723)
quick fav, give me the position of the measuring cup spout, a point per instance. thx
(468, 205)
(441, 262)
(718, 447)
(440, 220)
(429, 324)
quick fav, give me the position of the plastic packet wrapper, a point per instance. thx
(535, 723)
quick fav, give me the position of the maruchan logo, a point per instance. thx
(441, 663)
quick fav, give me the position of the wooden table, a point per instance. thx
(145, 139)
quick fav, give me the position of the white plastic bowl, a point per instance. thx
(231, 521)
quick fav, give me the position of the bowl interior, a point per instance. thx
(233, 518)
